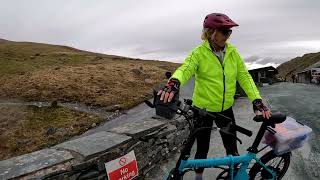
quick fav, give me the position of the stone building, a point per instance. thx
(259, 76)
(310, 75)
(264, 75)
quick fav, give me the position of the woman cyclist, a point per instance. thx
(216, 66)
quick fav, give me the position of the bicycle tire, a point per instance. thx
(173, 175)
(257, 170)
(223, 175)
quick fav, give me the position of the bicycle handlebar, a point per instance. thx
(194, 111)
(190, 111)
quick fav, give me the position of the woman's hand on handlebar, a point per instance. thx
(259, 106)
(168, 92)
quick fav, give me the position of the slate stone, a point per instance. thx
(180, 123)
(70, 175)
(154, 134)
(139, 128)
(30, 163)
(88, 175)
(170, 129)
(138, 144)
(94, 144)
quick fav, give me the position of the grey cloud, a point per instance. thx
(264, 60)
(271, 60)
(163, 29)
(252, 59)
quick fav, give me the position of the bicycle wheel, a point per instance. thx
(280, 164)
(174, 175)
(225, 173)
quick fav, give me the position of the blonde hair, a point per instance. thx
(207, 33)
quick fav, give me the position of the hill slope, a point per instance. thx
(43, 72)
(298, 64)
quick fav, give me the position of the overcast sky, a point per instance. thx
(270, 31)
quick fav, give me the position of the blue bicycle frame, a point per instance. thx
(230, 161)
(184, 163)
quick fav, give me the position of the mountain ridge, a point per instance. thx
(298, 64)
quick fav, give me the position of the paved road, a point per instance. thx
(302, 102)
(297, 100)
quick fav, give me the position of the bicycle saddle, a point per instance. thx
(275, 118)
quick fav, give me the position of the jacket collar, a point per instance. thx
(229, 48)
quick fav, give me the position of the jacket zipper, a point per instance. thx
(224, 86)
(224, 83)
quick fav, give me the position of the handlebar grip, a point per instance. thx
(243, 130)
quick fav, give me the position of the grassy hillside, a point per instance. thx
(42, 72)
(298, 64)
(25, 129)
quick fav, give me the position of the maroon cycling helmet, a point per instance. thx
(218, 21)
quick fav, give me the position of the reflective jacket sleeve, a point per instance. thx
(245, 80)
(187, 69)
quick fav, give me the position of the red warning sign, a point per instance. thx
(122, 168)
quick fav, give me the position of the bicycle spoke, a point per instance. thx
(279, 163)
(275, 164)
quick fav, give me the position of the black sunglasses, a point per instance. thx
(226, 32)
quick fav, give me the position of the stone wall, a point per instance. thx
(151, 139)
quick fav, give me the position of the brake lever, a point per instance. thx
(226, 132)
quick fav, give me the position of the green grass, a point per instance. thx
(20, 66)
(42, 72)
(31, 124)
(8, 67)
(23, 57)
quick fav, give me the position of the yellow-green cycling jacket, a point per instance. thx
(215, 83)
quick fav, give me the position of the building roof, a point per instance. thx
(268, 68)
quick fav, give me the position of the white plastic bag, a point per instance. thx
(289, 135)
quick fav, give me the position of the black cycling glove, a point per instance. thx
(172, 85)
(259, 106)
